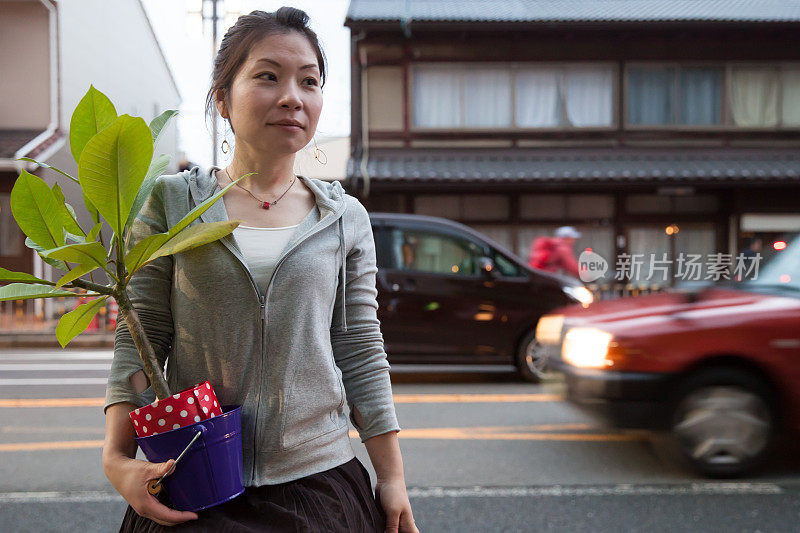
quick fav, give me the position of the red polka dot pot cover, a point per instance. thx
(179, 410)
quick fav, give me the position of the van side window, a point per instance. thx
(426, 251)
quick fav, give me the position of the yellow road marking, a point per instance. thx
(502, 433)
(398, 398)
(456, 433)
(36, 446)
(54, 402)
(476, 398)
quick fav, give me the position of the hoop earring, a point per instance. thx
(224, 145)
(318, 151)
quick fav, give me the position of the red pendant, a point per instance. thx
(266, 205)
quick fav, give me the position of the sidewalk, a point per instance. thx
(34, 339)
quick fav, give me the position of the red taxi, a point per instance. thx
(718, 368)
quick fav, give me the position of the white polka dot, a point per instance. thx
(155, 403)
(190, 400)
(208, 385)
(147, 416)
(215, 403)
(176, 396)
(197, 418)
(135, 422)
(176, 426)
(184, 413)
(144, 428)
(136, 411)
(161, 422)
(205, 410)
(168, 409)
(206, 398)
(155, 433)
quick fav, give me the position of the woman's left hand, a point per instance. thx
(392, 496)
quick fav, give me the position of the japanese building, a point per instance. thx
(652, 127)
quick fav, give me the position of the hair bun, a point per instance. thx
(291, 16)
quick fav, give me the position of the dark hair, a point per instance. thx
(247, 30)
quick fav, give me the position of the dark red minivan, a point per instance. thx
(717, 368)
(448, 294)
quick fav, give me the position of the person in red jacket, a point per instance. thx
(555, 254)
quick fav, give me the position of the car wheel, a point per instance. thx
(723, 422)
(531, 359)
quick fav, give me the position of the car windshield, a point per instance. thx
(782, 271)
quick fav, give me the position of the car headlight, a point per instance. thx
(579, 293)
(548, 329)
(586, 348)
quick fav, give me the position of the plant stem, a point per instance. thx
(151, 366)
(102, 289)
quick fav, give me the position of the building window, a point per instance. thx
(659, 96)
(724, 95)
(480, 96)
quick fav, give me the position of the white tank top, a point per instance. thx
(261, 248)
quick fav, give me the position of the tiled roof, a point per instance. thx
(575, 10)
(565, 166)
(12, 140)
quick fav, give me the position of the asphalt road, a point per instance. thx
(482, 450)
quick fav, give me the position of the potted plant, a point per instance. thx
(116, 173)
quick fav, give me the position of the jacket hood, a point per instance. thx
(330, 200)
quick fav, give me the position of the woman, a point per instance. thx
(280, 316)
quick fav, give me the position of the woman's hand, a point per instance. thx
(392, 496)
(130, 478)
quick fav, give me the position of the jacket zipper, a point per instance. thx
(264, 299)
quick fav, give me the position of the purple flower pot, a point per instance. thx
(211, 472)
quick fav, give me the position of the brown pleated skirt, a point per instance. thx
(336, 500)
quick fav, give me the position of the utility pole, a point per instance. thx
(209, 10)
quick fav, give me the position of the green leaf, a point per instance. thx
(8, 275)
(26, 291)
(76, 321)
(140, 254)
(36, 210)
(202, 208)
(68, 217)
(157, 167)
(93, 114)
(61, 265)
(93, 233)
(191, 237)
(113, 166)
(157, 124)
(45, 165)
(74, 274)
(93, 212)
(89, 253)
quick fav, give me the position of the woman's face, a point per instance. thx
(274, 84)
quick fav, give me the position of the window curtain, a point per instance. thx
(650, 96)
(791, 97)
(437, 97)
(754, 97)
(537, 102)
(588, 96)
(700, 96)
(487, 97)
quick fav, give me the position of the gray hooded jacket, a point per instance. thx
(290, 355)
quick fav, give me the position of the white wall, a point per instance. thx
(25, 65)
(109, 44)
